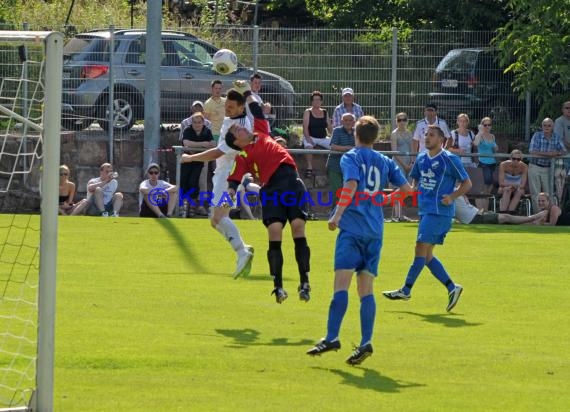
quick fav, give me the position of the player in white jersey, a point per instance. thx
(225, 156)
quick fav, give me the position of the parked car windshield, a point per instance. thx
(458, 60)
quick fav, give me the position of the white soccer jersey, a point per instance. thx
(224, 163)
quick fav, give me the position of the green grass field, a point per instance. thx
(150, 319)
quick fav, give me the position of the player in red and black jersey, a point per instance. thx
(283, 194)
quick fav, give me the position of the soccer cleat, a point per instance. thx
(280, 295)
(243, 267)
(359, 354)
(323, 346)
(115, 214)
(454, 297)
(105, 214)
(396, 295)
(304, 290)
(247, 269)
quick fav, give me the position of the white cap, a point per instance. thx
(347, 90)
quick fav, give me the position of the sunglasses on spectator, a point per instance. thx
(64, 174)
(518, 159)
(547, 125)
(487, 124)
(402, 120)
(566, 107)
(153, 172)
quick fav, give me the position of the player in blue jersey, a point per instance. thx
(360, 220)
(436, 172)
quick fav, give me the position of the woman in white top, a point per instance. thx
(461, 141)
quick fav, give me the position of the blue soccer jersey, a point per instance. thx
(437, 177)
(373, 171)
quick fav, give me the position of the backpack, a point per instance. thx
(455, 137)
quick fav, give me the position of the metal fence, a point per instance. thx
(390, 71)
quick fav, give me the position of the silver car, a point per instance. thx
(186, 74)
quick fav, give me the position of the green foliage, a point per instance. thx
(536, 41)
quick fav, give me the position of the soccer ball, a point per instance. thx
(225, 61)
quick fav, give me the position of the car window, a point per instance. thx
(136, 53)
(88, 49)
(458, 60)
(192, 54)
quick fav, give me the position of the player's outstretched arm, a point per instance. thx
(205, 156)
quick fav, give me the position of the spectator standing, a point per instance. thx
(197, 136)
(401, 141)
(562, 129)
(513, 175)
(431, 118)
(214, 108)
(486, 144)
(157, 198)
(359, 241)
(461, 141)
(436, 170)
(347, 106)
(342, 140)
(102, 196)
(544, 146)
(67, 207)
(255, 83)
(316, 127)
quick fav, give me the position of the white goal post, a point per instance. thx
(49, 126)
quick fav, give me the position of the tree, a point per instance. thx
(535, 46)
(419, 14)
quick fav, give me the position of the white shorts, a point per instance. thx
(325, 143)
(220, 188)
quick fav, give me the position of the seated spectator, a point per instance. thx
(553, 214)
(197, 107)
(466, 213)
(461, 141)
(157, 198)
(316, 126)
(347, 106)
(195, 137)
(342, 140)
(102, 196)
(486, 144)
(513, 174)
(401, 141)
(67, 195)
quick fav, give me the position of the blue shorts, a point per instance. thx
(433, 228)
(357, 253)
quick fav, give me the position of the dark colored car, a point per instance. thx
(185, 73)
(471, 81)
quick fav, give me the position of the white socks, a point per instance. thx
(230, 232)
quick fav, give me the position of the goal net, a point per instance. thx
(30, 115)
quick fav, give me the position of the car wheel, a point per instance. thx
(76, 124)
(123, 114)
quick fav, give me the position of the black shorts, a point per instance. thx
(147, 212)
(283, 198)
(487, 218)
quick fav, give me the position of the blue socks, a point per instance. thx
(367, 315)
(413, 273)
(337, 309)
(440, 273)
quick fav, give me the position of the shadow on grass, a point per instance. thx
(249, 337)
(192, 258)
(445, 319)
(371, 380)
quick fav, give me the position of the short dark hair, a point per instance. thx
(255, 76)
(438, 129)
(216, 81)
(367, 129)
(431, 106)
(316, 93)
(236, 96)
(230, 139)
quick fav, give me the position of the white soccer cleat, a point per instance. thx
(245, 256)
